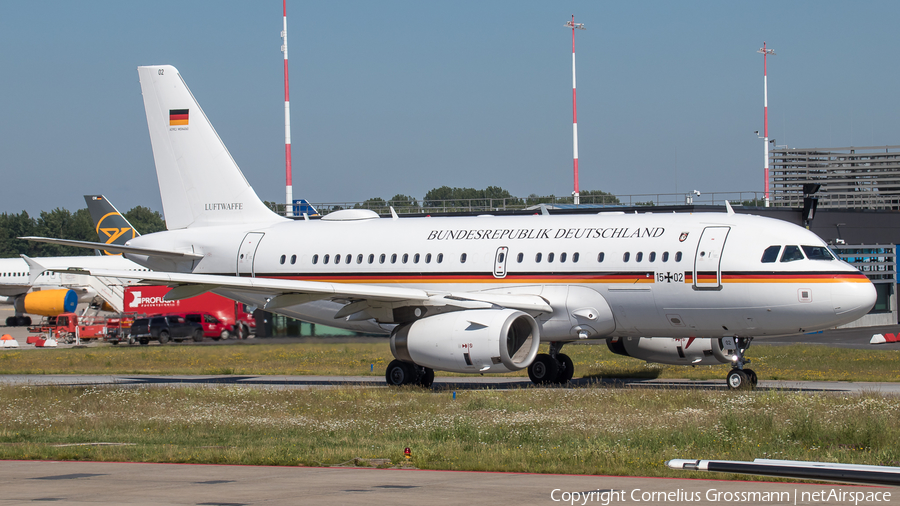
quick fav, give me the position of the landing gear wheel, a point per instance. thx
(566, 369)
(544, 369)
(12, 321)
(24, 321)
(400, 373)
(752, 376)
(738, 380)
(426, 377)
(198, 336)
(163, 337)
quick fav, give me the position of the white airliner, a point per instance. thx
(478, 294)
(50, 293)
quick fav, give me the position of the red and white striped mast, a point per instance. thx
(580, 26)
(766, 52)
(288, 185)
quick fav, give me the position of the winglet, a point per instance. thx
(34, 269)
(728, 208)
(544, 210)
(394, 214)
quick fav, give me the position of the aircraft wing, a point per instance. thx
(358, 298)
(117, 248)
(821, 471)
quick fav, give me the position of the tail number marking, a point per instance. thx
(670, 277)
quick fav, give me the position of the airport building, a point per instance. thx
(849, 178)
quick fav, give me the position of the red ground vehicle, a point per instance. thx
(149, 300)
(67, 326)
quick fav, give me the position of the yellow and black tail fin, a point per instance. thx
(111, 226)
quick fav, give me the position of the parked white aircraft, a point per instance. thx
(50, 293)
(478, 294)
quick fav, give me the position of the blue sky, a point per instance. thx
(400, 97)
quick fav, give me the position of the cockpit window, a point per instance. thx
(791, 253)
(770, 255)
(817, 253)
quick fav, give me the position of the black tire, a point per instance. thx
(12, 321)
(751, 374)
(566, 369)
(198, 335)
(25, 321)
(145, 341)
(543, 370)
(399, 373)
(163, 337)
(114, 343)
(426, 379)
(738, 380)
(224, 335)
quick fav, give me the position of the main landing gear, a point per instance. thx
(739, 377)
(406, 373)
(18, 321)
(553, 368)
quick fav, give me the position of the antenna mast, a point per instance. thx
(288, 185)
(766, 52)
(580, 26)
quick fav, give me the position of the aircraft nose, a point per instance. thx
(853, 300)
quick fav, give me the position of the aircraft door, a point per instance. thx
(708, 258)
(500, 262)
(247, 252)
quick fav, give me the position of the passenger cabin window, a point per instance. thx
(381, 258)
(562, 257)
(349, 257)
(325, 259)
(416, 258)
(678, 256)
(601, 256)
(537, 258)
(371, 258)
(393, 258)
(462, 258)
(315, 259)
(665, 256)
(652, 257)
(440, 257)
(639, 256)
(550, 257)
(791, 253)
(283, 258)
(575, 257)
(359, 258)
(520, 257)
(817, 253)
(337, 259)
(405, 257)
(428, 258)
(770, 254)
(293, 259)
(626, 256)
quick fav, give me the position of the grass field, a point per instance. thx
(797, 362)
(596, 430)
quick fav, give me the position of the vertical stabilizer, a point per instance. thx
(199, 182)
(110, 225)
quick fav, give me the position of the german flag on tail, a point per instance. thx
(178, 117)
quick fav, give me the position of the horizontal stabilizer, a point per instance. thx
(117, 248)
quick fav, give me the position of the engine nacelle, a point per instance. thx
(471, 341)
(47, 302)
(675, 351)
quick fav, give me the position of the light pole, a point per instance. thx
(288, 185)
(766, 52)
(572, 24)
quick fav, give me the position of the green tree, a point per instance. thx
(597, 197)
(404, 203)
(144, 220)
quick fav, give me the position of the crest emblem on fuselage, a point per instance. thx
(682, 237)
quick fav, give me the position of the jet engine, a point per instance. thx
(47, 302)
(471, 341)
(675, 351)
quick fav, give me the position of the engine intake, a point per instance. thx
(472, 341)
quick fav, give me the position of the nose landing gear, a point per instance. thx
(407, 373)
(739, 377)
